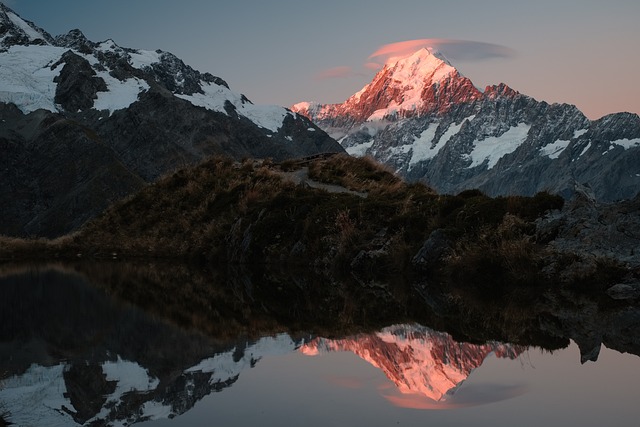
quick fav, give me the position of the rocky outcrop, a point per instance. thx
(594, 230)
(77, 83)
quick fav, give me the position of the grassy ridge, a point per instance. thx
(256, 212)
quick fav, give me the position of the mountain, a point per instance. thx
(418, 360)
(429, 123)
(83, 124)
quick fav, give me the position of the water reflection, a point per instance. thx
(426, 366)
(114, 351)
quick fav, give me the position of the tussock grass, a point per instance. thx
(224, 212)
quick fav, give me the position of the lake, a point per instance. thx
(175, 345)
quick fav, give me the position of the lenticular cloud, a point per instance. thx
(333, 73)
(460, 50)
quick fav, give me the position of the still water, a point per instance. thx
(74, 353)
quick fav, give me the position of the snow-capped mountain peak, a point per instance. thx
(17, 31)
(423, 82)
(427, 122)
(420, 64)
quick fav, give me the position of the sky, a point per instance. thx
(581, 52)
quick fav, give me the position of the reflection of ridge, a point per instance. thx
(417, 359)
(113, 392)
(71, 355)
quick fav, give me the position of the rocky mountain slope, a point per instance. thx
(429, 123)
(84, 123)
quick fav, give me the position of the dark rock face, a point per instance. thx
(593, 230)
(75, 40)
(77, 83)
(46, 191)
(63, 167)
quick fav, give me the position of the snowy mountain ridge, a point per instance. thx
(28, 74)
(429, 123)
(112, 118)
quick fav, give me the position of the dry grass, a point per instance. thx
(228, 212)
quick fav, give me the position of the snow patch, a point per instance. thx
(585, 149)
(422, 149)
(358, 150)
(452, 130)
(579, 133)
(554, 149)
(627, 143)
(493, 148)
(144, 58)
(121, 94)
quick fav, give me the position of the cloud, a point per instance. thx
(459, 50)
(334, 73)
(471, 395)
(372, 66)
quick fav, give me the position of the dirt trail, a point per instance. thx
(301, 177)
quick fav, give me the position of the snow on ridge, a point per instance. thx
(223, 366)
(493, 148)
(108, 46)
(24, 26)
(215, 96)
(26, 80)
(141, 59)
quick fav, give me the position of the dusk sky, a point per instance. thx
(583, 52)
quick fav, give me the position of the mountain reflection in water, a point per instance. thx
(418, 360)
(76, 348)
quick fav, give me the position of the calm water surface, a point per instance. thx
(71, 353)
